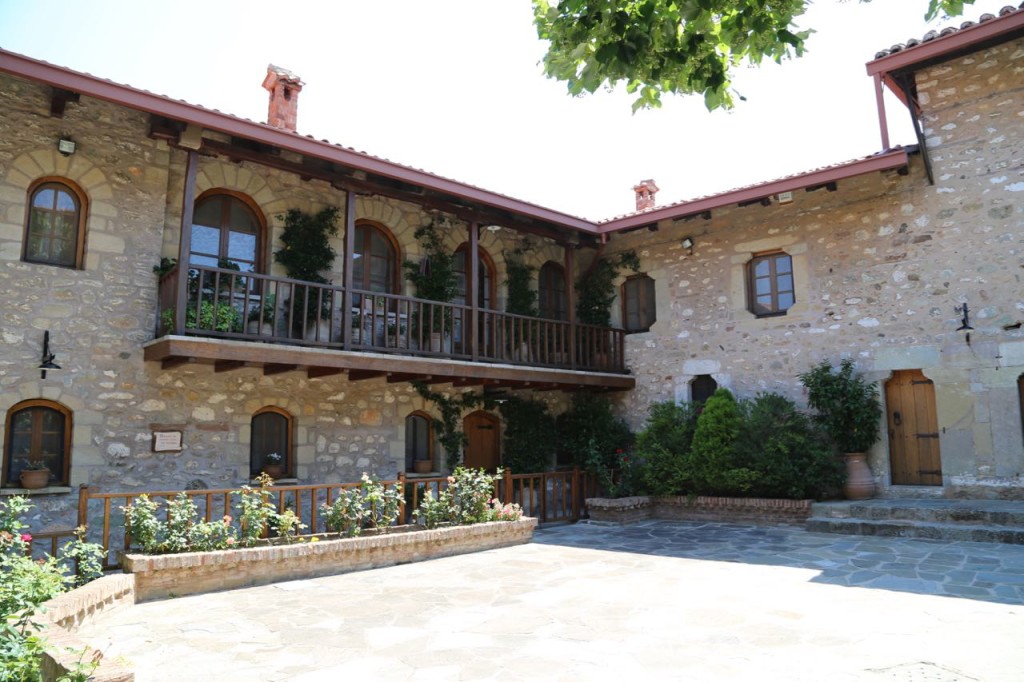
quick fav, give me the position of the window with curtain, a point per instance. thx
(271, 432)
(38, 433)
(638, 308)
(375, 260)
(419, 439)
(55, 229)
(770, 281)
(226, 230)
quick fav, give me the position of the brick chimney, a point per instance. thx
(284, 87)
(645, 192)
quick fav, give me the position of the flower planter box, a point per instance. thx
(161, 576)
(682, 508)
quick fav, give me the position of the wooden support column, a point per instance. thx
(472, 290)
(570, 300)
(350, 247)
(883, 125)
(188, 203)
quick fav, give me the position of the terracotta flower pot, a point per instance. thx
(275, 471)
(35, 479)
(423, 466)
(860, 484)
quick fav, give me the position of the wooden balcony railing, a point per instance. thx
(247, 306)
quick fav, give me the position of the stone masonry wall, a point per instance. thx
(99, 317)
(880, 266)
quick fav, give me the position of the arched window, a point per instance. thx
(419, 440)
(271, 433)
(55, 229)
(38, 432)
(770, 283)
(375, 259)
(485, 290)
(639, 311)
(227, 228)
(702, 387)
(551, 292)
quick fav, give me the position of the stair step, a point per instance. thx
(918, 529)
(970, 513)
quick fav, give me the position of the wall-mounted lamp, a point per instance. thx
(687, 244)
(47, 363)
(965, 322)
(66, 146)
(493, 228)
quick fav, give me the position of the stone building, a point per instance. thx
(170, 380)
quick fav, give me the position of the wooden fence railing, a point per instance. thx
(550, 497)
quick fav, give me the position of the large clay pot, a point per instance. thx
(35, 479)
(860, 484)
(275, 471)
(423, 466)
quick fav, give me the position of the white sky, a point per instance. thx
(455, 87)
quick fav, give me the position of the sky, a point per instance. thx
(456, 87)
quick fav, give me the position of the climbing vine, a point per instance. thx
(595, 289)
(522, 298)
(449, 426)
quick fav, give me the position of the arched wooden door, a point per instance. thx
(913, 429)
(483, 449)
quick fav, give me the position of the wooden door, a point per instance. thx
(913, 429)
(483, 450)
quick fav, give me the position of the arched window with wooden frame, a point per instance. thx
(485, 288)
(375, 259)
(55, 224)
(551, 294)
(639, 310)
(228, 229)
(419, 442)
(271, 433)
(770, 284)
(37, 433)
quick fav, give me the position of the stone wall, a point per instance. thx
(626, 510)
(100, 316)
(881, 264)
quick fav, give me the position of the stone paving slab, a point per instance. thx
(657, 600)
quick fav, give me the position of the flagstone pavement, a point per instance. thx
(656, 600)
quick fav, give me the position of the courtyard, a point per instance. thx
(656, 600)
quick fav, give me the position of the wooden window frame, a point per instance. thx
(646, 283)
(395, 279)
(83, 210)
(289, 458)
(547, 303)
(260, 266)
(63, 476)
(431, 450)
(772, 258)
(486, 265)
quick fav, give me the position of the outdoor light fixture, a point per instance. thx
(965, 322)
(687, 244)
(66, 146)
(47, 363)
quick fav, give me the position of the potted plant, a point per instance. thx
(435, 280)
(422, 463)
(306, 252)
(261, 318)
(848, 408)
(273, 465)
(35, 475)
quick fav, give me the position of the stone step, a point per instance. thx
(918, 529)
(957, 512)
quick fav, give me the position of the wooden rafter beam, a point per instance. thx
(399, 377)
(227, 365)
(272, 368)
(364, 374)
(59, 99)
(320, 372)
(174, 361)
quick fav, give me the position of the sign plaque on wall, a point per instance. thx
(166, 441)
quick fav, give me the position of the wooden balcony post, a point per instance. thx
(188, 203)
(570, 301)
(509, 496)
(473, 291)
(83, 505)
(350, 247)
(575, 493)
(401, 486)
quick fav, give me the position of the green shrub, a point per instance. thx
(846, 405)
(663, 448)
(588, 426)
(468, 498)
(791, 455)
(530, 435)
(345, 514)
(714, 454)
(380, 503)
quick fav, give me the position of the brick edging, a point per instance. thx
(700, 508)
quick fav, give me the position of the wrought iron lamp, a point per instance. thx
(47, 363)
(965, 321)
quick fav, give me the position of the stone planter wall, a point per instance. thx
(63, 614)
(680, 508)
(161, 576)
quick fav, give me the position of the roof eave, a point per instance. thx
(895, 158)
(132, 98)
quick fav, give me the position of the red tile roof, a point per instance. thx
(948, 31)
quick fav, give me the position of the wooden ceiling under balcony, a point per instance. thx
(317, 363)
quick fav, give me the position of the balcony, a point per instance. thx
(234, 319)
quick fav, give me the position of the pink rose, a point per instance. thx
(25, 537)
